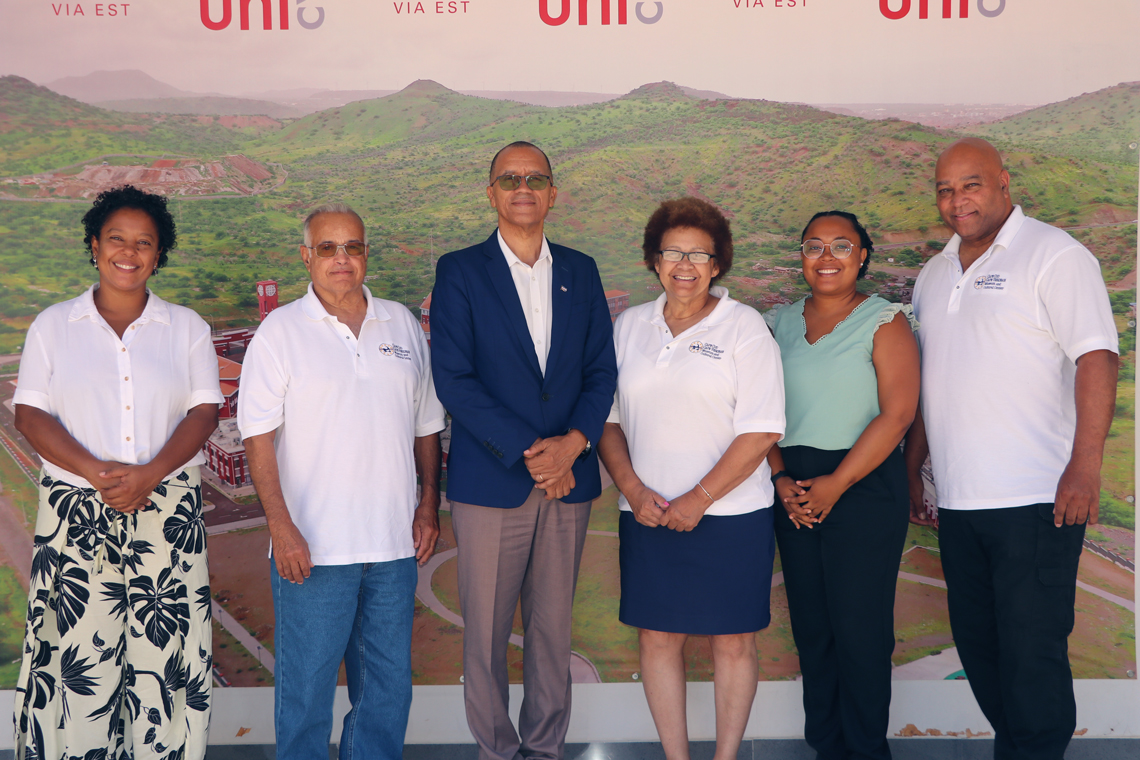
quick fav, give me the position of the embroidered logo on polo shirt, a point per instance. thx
(706, 349)
(393, 351)
(992, 281)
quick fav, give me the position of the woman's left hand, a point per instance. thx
(684, 512)
(136, 483)
(822, 493)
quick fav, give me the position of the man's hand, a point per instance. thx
(551, 458)
(648, 507)
(290, 552)
(685, 512)
(425, 531)
(134, 483)
(1078, 495)
(557, 489)
(918, 513)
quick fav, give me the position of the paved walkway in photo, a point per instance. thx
(581, 669)
(244, 637)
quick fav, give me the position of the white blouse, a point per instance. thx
(120, 398)
(681, 400)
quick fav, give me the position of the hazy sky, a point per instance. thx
(821, 51)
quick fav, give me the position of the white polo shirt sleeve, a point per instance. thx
(264, 382)
(759, 379)
(1075, 305)
(34, 381)
(429, 411)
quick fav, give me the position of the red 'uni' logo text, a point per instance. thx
(622, 12)
(266, 14)
(947, 9)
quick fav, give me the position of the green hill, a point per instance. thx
(422, 111)
(40, 130)
(1104, 125)
(414, 163)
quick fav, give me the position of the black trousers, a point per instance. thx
(1011, 577)
(840, 577)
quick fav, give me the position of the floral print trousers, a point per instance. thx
(117, 657)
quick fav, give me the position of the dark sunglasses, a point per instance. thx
(509, 182)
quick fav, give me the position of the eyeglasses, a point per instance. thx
(328, 250)
(694, 257)
(840, 248)
(509, 182)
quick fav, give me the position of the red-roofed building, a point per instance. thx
(225, 454)
(229, 373)
(618, 301)
(229, 341)
(229, 408)
(425, 317)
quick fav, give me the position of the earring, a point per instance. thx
(94, 263)
(154, 272)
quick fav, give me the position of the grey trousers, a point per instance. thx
(531, 554)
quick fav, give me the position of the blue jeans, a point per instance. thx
(359, 613)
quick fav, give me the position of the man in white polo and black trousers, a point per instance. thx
(1019, 363)
(339, 416)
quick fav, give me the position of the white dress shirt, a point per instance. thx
(1000, 343)
(121, 398)
(681, 400)
(346, 411)
(533, 285)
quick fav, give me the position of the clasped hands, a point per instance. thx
(125, 488)
(549, 461)
(808, 502)
(682, 514)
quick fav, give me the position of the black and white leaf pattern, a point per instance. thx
(160, 606)
(185, 529)
(73, 594)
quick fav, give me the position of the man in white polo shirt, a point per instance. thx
(1019, 362)
(339, 416)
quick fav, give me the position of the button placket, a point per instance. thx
(127, 401)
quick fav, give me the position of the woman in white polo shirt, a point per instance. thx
(117, 392)
(700, 400)
(851, 382)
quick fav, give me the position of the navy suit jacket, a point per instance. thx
(487, 375)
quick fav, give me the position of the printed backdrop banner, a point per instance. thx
(246, 113)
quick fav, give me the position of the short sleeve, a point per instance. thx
(890, 311)
(204, 387)
(759, 380)
(1075, 301)
(34, 381)
(261, 400)
(429, 411)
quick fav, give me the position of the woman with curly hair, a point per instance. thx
(700, 400)
(117, 392)
(851, 383)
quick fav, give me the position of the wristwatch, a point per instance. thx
(780, 474)
(586, 451)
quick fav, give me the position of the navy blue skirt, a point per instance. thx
(714, 580)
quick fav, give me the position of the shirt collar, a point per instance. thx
(316, 311)
(720, 312)
(156, 309)
(512, 259)
(1003, 240)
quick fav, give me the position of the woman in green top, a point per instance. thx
(851, 387)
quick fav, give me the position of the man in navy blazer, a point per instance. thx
(523, 358)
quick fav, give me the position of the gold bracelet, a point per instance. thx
(705, 490)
